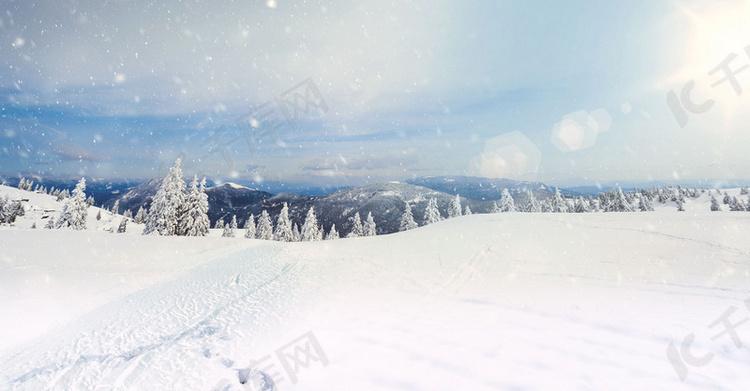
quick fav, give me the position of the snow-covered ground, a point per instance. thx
(509, 301)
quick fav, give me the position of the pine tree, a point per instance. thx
(310, 228)
(219, 224)
(283, 232)
(128, 214)
(99, 215)
(407, 219)
(715, 206)
(644, 204)
(357, 228)
(506, 202)
(495, 208)
(22, 184)
(168, 204)
(454, 209)
(532, 205)
(33, 226)
(227, 231)
(582, 206)
(370, 229)
(296, 235)
(194, 221)
(233, 225)
(90, 201)
(558, 204)
(332, 234)
(250, 227)
(75, 210)
(50, 224)
(123, 225)
(467, 211)
(140, 217)
(727, 198)
(116, 207)
(432, 213)
(265, 227)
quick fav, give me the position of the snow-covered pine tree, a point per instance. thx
(357, 228)
(431, 212)
(467, 211)
(194, 220)
(727, 198)
(75, 210)
(233, 225)
(50, 224)
(715, 206)
(744, 191)
(506, 202)
(407, 219)
(123, 225)
(99, 215)
(33, 226)
(140, 217)
(265, 227)
(310, 227)
(558, 204)
(227, 233)
(219, 224)
(283, 231)
(532, 204)
(454, 209)
(128, 214)
(90, 201)
(332, 234)
(370, 229)
(296, 235)
(22, 183)
(168, 204)
(582, 206)
(116, 207)
(644, 204)
(250, 227)
(495, 207)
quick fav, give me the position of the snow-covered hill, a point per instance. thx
(481, 302)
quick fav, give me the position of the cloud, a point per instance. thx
(77, 152)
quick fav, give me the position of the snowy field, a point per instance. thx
(511, 301)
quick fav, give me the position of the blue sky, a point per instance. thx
(121, 88)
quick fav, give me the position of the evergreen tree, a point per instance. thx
(194, 220)
(140, 217)
(432, 213)
(727, 198)
(22, 184)
(228, 233)
(532, 205)
(128, 214)
(296, 235)
(467, 210)
(506, 202)
(332, 234)
(558, 204)
(283, 232)
(168, 204)
(116, 207)
(123, 225)
(33, 226)
(99, 215)
(454, 209)
(219, 224)
(265, 227)
(582, 206)
(644, 204)
(357, 228)
(250, 227)
(715, 206)
(50, 224)
(90, 201)
(233, 225)
(495, 208)
(310, 228)
(407, 220)
(370, 229)
(75, 210)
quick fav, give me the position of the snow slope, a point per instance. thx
(482, 302)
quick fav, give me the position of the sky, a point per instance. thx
(343, 93)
